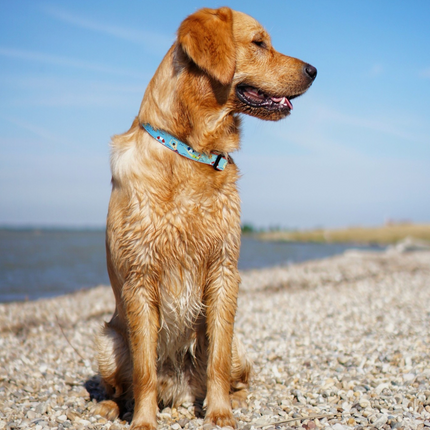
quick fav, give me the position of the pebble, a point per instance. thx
(364, 403)
(72, 415)
(31, 415)
(40, 408)
(338, 426)
(183, 422)
(346, 406)
(380, 421)
(409, 377)
(344, 339)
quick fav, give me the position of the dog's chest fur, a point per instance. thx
(179, 221)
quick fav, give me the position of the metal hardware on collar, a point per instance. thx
(217, 161)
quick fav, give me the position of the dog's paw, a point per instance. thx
(221, 419)
(107, 409)
(238, 399)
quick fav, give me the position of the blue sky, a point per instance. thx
(355, 151)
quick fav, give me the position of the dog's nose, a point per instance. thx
(310, 71)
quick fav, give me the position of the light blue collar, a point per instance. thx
(217, 161)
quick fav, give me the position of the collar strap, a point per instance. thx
(217, 161)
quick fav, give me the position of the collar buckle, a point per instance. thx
(217, 161)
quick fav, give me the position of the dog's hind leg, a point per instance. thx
(115, 368)
(241, 369)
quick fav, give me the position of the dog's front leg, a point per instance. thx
(220, 298)
(143, 324)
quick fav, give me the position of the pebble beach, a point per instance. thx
(338, 343)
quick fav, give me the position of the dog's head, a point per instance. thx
(249, 75)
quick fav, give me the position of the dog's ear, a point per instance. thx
(207, 38)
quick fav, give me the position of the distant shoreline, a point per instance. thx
(27, 228)
(37, 263)
(379, 235)
(382, 235)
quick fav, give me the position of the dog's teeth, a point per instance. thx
(282, 101)
(288, 103)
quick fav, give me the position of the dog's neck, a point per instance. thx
(217, 161)
(177, 103)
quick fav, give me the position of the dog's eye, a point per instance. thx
(259, 43)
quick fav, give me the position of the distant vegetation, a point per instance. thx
(248, 228)
(387, 234)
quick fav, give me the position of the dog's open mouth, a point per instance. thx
(258, 99)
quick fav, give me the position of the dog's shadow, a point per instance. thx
(98, 393)
(95, 389)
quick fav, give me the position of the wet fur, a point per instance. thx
(173, 227)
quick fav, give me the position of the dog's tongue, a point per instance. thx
(254, 94)
(282, 100)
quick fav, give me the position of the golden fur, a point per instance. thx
(173, 227)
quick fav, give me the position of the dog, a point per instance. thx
(173, 225)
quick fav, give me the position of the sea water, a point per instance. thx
(37, 263)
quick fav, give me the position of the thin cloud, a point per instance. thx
(60, 82)
(316, 139)
(376, 70)
(36, 130)
(390, 129)
(54, 91)
(317, 144)
(153, 42)
(425, 73)
(55, 60)
(77, 99)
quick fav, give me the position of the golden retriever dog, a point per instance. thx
(173, 226)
